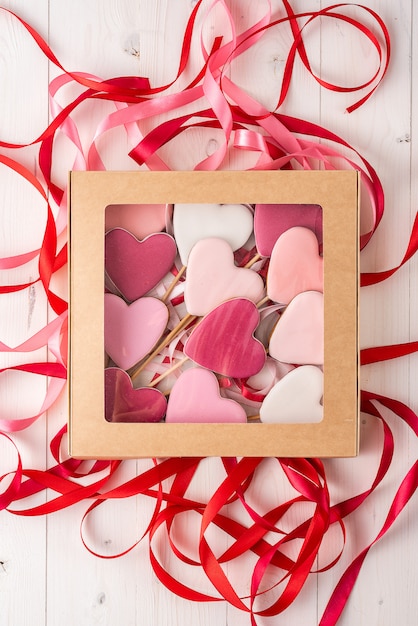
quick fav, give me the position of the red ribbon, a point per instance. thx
(279, 141)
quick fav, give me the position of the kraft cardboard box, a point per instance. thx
(323, 426)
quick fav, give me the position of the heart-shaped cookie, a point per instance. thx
(131, 331)
(134, 266)
(195, 397)
(139, 219)
(192, 222)
(296, 398)
(123, 403)
(267, 377)
(212, 277)
(223, 340)
(298, 336)
(295, 265)
(272, 220)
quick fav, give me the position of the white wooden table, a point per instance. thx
(46, 575)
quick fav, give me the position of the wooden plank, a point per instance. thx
(381, 131)
(260, 73)
(23, 114)
(125, 590)
(61, 582)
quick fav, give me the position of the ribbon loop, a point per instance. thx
(211, 101)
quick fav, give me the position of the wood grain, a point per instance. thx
(47, 577)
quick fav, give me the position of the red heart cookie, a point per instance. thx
(272, 220)
(123, 403)
(298, 336)
(134, 266)
(295, 265)
(131, 331)
(223, 341)
(211, 264)
(195, 397)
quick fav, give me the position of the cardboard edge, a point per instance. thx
(188, 432)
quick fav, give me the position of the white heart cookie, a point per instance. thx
(192, 222)
(296, 398)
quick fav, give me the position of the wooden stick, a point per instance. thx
(187, 319)
(173, 283)
(252, 418)
(171, 369)
(263, 301)
(251, 262)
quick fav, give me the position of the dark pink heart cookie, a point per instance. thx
(224, 343)
(272, 220)
(123, 403)
(135, 266)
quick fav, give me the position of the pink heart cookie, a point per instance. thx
(295, 266)
(139, 219)
(212, 277)
(195, 397)
(134, 266)
(223, 340)
(298, 336)
(131, 331)
(296, 398)
(123, 403)
(272, 220)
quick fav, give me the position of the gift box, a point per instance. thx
(213, 314)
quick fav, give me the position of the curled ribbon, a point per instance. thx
(277, 141)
